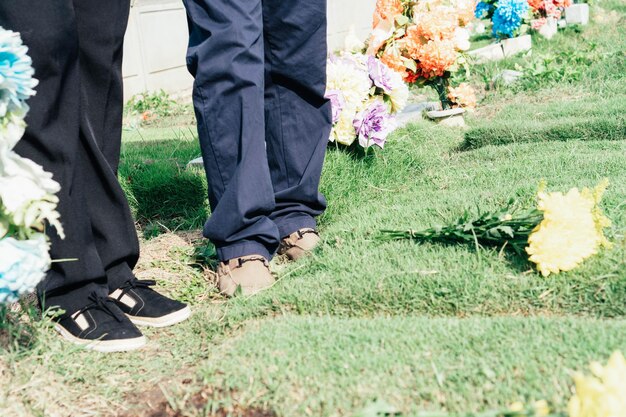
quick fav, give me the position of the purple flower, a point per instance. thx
(380, 74)
(337, 103)
(374, 124)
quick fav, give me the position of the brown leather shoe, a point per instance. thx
(298, 244)
(249, 273)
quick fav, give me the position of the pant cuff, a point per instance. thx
(118, 275)
(246, 248)
(71, 299)
(293, 224)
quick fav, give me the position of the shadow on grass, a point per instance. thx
(354, 151)
(164, 194)
(506, 132)
(19, 327)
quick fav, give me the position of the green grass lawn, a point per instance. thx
(422, 327)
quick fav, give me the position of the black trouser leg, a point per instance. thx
(101, 27)
(68, 133)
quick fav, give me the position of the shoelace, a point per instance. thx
(306, 232)
(136, 283)
(103, 303)
(288, 245)
(242, 261)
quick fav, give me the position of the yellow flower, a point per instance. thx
(567, 235)
(344, 132)
(601, 221)
(602, 394)
(541, 407)
(463, 95)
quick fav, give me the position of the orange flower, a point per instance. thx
(436, 57)
(413, 41)
(536, 4)
(391, 58)
(387, 9)
(410, 77)
(463, 95)
(147, 116)
(438, 24)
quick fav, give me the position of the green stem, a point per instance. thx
(441, 87)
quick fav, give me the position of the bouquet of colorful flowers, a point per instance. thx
(424, 41)
(558, 235)
(365, 95)
(27, 192)
(507, 16)
(546, 11)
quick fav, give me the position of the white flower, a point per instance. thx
(11, 131)
(461, 39)
(348, 76)
(399, 94)
(352, 43)
(23, 264)
(27, 192)
(479, 28)
(344, 132)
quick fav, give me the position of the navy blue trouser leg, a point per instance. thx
(298, 120)
(263, 121)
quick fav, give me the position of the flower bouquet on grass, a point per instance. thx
(558, 235)
(424, 41)
(27, 193)
(365, 95)
(507, 16)
(545, 15)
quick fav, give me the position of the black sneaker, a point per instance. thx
(100, 326)
(146, 307)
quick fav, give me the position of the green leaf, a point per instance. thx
(402, 20)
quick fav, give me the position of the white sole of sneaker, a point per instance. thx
(104, 346)
(165, 321)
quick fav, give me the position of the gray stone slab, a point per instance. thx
(414, 112)
(196, 163)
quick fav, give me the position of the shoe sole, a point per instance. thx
(164, 321)
(104, 346)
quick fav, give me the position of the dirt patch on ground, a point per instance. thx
(159, 249)
(154, 403)
(170, 259)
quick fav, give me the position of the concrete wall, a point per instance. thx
(156, 41)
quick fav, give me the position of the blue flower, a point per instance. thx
(16, 75)
(482, 10)
(23, 264)
(508, 17)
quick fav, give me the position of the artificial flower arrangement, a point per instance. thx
(545, 14)
(424, 41)
(507, 16)
(27, 192)
(365, 95)
(561, 232)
